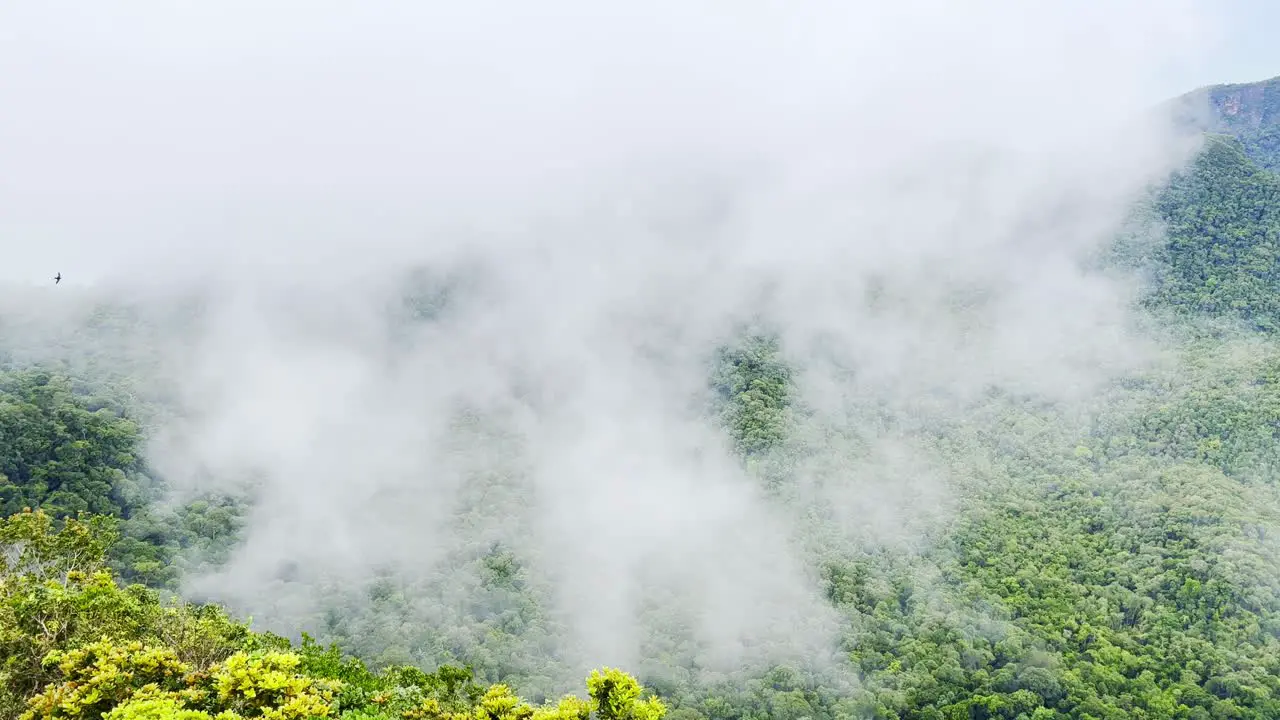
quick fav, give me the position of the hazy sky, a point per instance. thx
(161, 127)
(1250, 51)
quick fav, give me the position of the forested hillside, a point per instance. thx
(1223, 224)
(1118, 558)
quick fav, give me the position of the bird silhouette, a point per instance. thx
(57, 278)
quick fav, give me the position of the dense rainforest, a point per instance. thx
(1116, 562)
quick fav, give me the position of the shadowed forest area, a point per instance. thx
(1117, 557)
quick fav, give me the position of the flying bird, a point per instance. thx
(57, 278)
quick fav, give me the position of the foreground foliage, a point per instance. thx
(77, 645)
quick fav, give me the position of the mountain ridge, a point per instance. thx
(1249, 112)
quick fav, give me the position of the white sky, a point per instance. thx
(173, 128)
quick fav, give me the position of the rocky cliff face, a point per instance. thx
(1250, 106)
(1248, 111)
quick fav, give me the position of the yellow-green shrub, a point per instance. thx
(133, 680)
(268, 685)
(102, 675)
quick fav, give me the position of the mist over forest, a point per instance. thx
(844, 360)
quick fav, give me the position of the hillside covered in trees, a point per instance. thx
(1113, 557)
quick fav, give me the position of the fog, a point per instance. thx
(906, 193)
